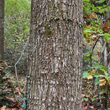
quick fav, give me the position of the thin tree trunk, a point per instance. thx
(106, 61)
(55, 55)
(108, 44)
(2, 29)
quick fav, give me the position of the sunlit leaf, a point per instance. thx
(94, 15)
(86, 0)
(103, 82)
(93, 72)
(107, 37)
(90, 77)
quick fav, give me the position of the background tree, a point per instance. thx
(55, 55)
(2, 29)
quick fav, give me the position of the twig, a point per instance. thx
(19, 60)
(95, 43)
(93, 50)
(94, 46)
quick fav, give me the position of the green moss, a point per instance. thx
(48, 31)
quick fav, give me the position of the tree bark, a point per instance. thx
(106, 60)
(55, 55)
(2, 29)
(108, 44)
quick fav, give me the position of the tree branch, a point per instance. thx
(19, 60)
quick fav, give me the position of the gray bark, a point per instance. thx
(55, 55)
(2, 29)
(106, 60)
(108, 44)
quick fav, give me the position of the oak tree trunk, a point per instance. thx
(55, 55)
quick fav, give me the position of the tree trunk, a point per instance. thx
(107, 61)
(55, 55)
(2, 29)
(108, 44)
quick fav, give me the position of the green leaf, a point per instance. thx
(86, 99)
(24, 106)
(101, 34)
(88, 30)
(94, 99)
(24, 98)
(86, 0)
(106, 73)
(88, 53)
(85, 74)
(101, 97)
(98, 66)
(100, 1)
(96, 75)
(91, 91)
(101, 92)
(97, 82)
(107, 37)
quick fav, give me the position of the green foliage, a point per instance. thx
(96, 29)
(86, 0)
(85, 74)
(48, 31)
(17, 28)
(107, 37)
